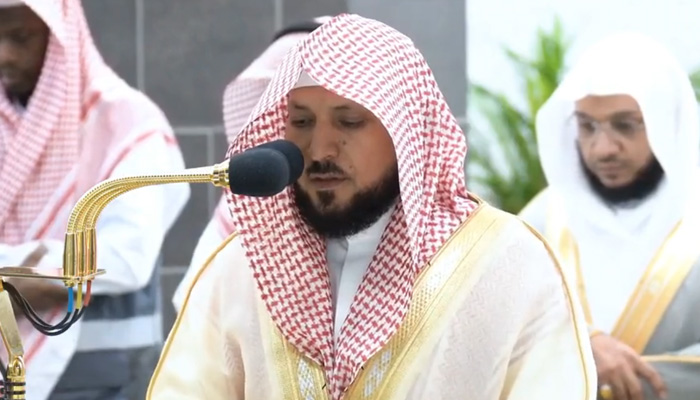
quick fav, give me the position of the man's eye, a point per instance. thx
(352, 124)
(20, 37)
(624, 127)
(300, 122)
(586, 127)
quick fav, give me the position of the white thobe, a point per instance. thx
(348, 260)
(515, 333)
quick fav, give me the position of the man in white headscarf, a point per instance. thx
(240, 97)
(619, 142)
(68, 122)
(377, 275)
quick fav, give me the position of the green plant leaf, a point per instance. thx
(512, 129)
(510, 132)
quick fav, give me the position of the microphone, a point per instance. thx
(265, 170)
(293, 154)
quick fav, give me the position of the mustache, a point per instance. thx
(326, 167)
(608, 160)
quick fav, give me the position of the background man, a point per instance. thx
(68, 122)
(619, 142)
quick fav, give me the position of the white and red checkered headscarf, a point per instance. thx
(243, 93)
(379, 68)
(43, 142)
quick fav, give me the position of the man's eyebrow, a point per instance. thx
(343, 107)
(301, 107)
(617, 114)
(297, 106)
(624, 113)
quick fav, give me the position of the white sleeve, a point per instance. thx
(13, 256)
(202, 358)
(131, 229)
(208, 242)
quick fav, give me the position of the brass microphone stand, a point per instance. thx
(79, 263)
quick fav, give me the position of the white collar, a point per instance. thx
(374, 232)
(348, 260)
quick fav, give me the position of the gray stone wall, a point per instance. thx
(182, 53)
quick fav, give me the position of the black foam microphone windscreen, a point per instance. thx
(265, 170)
(293, 154)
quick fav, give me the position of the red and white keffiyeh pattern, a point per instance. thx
(42, 143)
(379, 68)
(242, 95)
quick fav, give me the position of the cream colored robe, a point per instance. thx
(653, 300)
(492, 318)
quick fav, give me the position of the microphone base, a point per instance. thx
(47, 273)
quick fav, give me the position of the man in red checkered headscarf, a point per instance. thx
(377, 275)
(67, 122)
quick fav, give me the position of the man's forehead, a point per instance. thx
(35, 14)
(310, 97)
(16, 13)
(607, 106)
(10, 3)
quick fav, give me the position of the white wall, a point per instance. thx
(513, 23)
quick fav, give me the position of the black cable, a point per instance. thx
(20, 300)
(34, 318)
(43, 327)
(8, 389)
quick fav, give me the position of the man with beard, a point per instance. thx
(619, 142)
(377, 275)
(240, 97)
(68, 122)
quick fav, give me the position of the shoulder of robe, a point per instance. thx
(523, 245)
(121, 109)
(224, 278)
(543, 196)
(227, 262)
(537, 203)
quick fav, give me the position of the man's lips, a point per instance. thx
(609, 169)
(9, 78)
(326, 182)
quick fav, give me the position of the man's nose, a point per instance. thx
(604, 145)
(325, 144)
(8, 54)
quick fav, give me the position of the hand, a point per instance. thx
(620, 367)
(40, 294)
(34, 258)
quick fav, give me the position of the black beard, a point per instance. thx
(21, 98)
(364, 209)
(644, 184)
